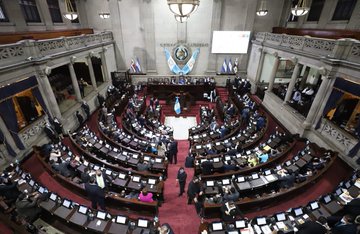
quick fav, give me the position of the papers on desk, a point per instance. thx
(266, 229)
(21, 181)
(267, 148)
(281, 225)
(346, 198)
(270, 178)
(357, 184)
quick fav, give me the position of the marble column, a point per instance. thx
(8, 136)
(215, 26)
(104, 66)
(91, 71)
(292, 83)
(304, 78)
(273, 72)
(258, 71)
(47, 91)
(318, 101)
(74, 82)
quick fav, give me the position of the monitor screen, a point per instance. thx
(267, 172)
(216, 159)
(241, 179)
(143, 223)
(280, 217)
(152, 181)
(115, 150)
(107, 145)
(230, 42)
(225, 181)
(298, 211)
(339, 191)
(255, 176)
(233, 232)
(296, 158)
(314, 205)
(41, 190)
(217, 143)
(96, 167)
(240, 224)
(288, 163)
(347, 184)
(66, 203)
(248, 152)
(278, 167)
(122, 176)
(146, 158)
(86, 163)
(108, 172)
(53, 197)
(101, 215)
(121, 219)
(198, 147)
(136, 179)
(83, 209)
(135, 156)
(327, 199)
(31, 183)
(261, 221)
(227, 158)
(209, 183)
(218, 226)
(158, 160)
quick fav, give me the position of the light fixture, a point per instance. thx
(300, 9)
(262, 11)
(183, 7)
(70, 14)
(181, 19)
(104, 15)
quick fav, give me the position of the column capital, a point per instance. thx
(323, 71)
(295, 60)
(276, 55)
(72, 60)
(91, 54)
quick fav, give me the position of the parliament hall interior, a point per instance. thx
(180, 116)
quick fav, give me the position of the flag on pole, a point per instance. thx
(190, 64)
(132, 66)
(236, 65)
(177, 107)
(224, 67)
(230, 67)
(137, 64)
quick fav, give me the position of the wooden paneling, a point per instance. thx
(322, 33)
(13, 37)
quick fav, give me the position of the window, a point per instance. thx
(344, 9)
(30, 11)
(55, 11)
(3, 16)
(73, 3)
(315, 10)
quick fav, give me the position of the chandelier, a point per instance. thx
(183, 8)
(262, 11)
(70, 14)
(104, 15)
(300, 9)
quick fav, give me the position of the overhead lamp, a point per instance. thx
(262, 11)
(300, 9)
(183, 7)
(70, 14)
(181, 19)
(104, 15)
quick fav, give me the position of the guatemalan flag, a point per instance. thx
(236, 65)
(132, 66)
(190, 64)
(137, 65)
(230, 67)
(171, 63)
(177, 107)
(224, 67)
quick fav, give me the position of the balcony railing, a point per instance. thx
(343, 49)
(29, 50)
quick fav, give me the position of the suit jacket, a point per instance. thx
(9, 191)
(193, 189)
(94, 192)
(344, 229)
(310, 227)
(27, 208)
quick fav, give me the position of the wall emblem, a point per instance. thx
(181, 61)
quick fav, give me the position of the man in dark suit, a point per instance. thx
(173, 152)
(95, 193)
(181, 179)
(8, 189)
(79, 118)
(86, 109)
(310, 227)
(207, 167)
(194, 193)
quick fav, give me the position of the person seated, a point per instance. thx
(260, 123)
(62, 168)
(144, 166)
(319, 226)
(229, 211)
(217, 199)
(8, 190)
(161, 149)
(231, 195)
(296, 97)
(263, 157)
(344, 225)
(145, 196)
(286, 178)
(165, 229)
(85, 176)
(223, 131)
(207, 167)
(26, 206)
(231, 110)
(253, 161)
(55, 155)
(229, 165)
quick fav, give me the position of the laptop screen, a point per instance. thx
(267, 172)
(101, 215)
(218, 226)
(66, 203)
(255, 176)
(136, 179)
(280, 217)
(143, 223)
(347, 184)
(233, 232)
(122, 176)
(53, 197)
(146, 158)
(241, 179)
(261, 221)
(41, 190)
(83, 209)
(158, 160)
(298, 211)
(152, 181)
(209, 183)
(314, 205)
(108, 172)
(240, 224)
(31, 183)
(216, 159)
(327, 199)
(121, 219)
(225, 181)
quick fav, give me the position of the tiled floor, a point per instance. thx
(180, 125)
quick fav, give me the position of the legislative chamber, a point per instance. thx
(180, 116)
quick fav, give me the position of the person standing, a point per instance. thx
(86, 108)
(181, 179)
(195, 194)
(95, 193)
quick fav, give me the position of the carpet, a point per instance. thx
(181, 126)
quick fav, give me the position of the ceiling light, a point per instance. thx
(300, 9)
(70, 14)
(183, 7)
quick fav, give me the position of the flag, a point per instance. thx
(177, 107)
(137, 64)
(190, 64)
(224, 68)
(236, 64)
(132, 66)
(230, 67)
(171, 63)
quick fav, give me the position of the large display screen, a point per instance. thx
(230, 42)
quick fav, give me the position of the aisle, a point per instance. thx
(175, 211)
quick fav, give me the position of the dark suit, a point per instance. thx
(96, 195)
(310, 227)
(206, 167)
(344, 229)
(193, 190)
(9, 191)
(62, 168)
(182, 181)
(173, 152)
